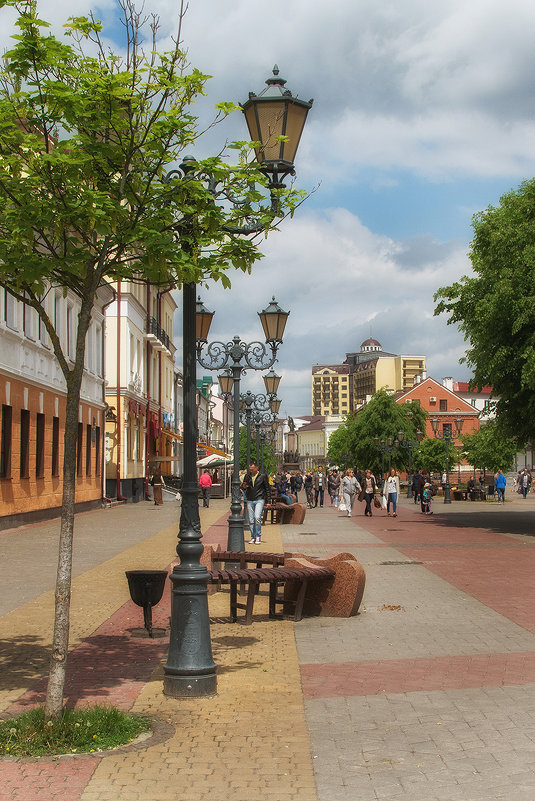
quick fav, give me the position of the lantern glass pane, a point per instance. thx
(295, 122)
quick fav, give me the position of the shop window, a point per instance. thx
(5, 444)
(40, 446)
(88, 449)
(24, 443)
(97, 451)
(79, 451)
(55, 446)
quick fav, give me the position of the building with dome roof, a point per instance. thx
(338, 389)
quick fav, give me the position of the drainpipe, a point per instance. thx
(118, 433)
(147, 411)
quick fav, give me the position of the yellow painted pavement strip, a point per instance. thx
(249, 743)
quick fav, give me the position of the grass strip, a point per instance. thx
(77, 731)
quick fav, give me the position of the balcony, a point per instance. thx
(155, 334)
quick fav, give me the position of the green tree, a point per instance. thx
(489, 448)
(270, 462)
(353, 442)
(495, 308)
(431, 455)
(86, 137)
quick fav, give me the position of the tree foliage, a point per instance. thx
(353, 442)
(86, 140)
(269, 461)
(495, 308)
(489, 448)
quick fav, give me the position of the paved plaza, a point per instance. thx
(426, 695)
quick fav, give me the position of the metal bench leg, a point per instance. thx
(233, 601)
(253, 588)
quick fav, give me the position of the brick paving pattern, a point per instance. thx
(426, 695)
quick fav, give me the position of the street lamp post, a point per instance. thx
(448, 436)
(409, 445)
(275, 119)
(238, 357)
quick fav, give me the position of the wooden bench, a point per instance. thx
(274, 577)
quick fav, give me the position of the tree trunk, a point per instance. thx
(60, 640)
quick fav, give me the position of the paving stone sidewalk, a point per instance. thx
(428, 694)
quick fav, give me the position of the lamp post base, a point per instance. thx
(190, 686)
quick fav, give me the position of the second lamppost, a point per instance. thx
(448, 436)
(383, 446)
(238, 357)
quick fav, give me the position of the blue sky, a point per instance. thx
(422, 116)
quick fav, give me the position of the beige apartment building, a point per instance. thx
(340, 389)
(140, 391)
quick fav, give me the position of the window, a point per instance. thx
(97, 451)
(5, 444)
(88, 449)
(24, 443)
(10, 310)
(55, 446)
(443, 405)
(40, 446)
(70, 333)
(79, 445)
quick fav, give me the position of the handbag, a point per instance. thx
(342, 506)
(361, 495)
(376, 502)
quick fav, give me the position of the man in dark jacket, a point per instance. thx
(416, 486)
(256, 488)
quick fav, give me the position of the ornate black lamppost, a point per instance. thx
(409, 445)
(448, 436)
(238, 357)
(275, 119)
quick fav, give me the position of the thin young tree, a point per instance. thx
(86, 138)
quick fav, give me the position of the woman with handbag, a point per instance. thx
(350, 488)
(369, 487)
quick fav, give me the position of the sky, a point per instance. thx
(422, 116)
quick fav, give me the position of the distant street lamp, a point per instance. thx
(409, 445)
(238, 357)
(448, 436)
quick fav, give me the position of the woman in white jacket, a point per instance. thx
(391, 492)
(350, 488)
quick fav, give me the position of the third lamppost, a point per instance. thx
(238, 357)
(448, 436)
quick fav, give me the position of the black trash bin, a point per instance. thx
(490, 489)
(146, 590)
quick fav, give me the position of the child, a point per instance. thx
(427, 497)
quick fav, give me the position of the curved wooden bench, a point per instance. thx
(275, 577)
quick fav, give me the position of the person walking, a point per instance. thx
(308, 485)
(500, 482)
(369, 486)
(205, 483)
(157, 484)
(333, 487)
(319, 487)
(391, 491)
(350, 489)
(256, 488)
(525, 483)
